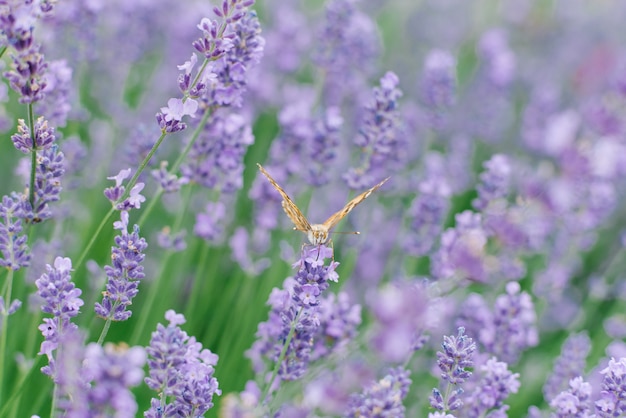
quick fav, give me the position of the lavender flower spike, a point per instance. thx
(612, 402)
(124, 273)
(297, 305)
(457, 356)
(62, 301)
(181, 371)
(382, 398)
(14, 252)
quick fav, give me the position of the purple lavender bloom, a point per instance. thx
(347, 46)
(457, 356)
(378, 132)
(462, 250)
(56, 104)
(400, 310)
(612, 402)
(48, 173)
(176, 242)
(124, 273)
(575, 401)
(338, 319)
(324, 141)
(427, 214)
(215, 160)
(297, 306)
(495, 385)
(233, 47)
(509, 329)
(62, 301)
(570, 364)
(210, 223)
(27, 76)
(181, 371)
(494, 181)
(169, 182)
(13, 306)
(438, 87)
(17, 21)
(383, 398)
(500, 60)
(514, 325)
(112, 371)
(115, 193)
(44, 136)
(13, 245)
(170, 117)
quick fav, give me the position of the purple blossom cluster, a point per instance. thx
(181, 371)
(495, 383)
(289, 337)
(124, 273)
(383, 398)
(508, 329)
(401, 314)
(61, 300)
(13, 242)
(216, 158)
(378, 131)
(569, 365)
(454, 361)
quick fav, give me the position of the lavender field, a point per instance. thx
(151, 267)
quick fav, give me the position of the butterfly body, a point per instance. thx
(317, 234)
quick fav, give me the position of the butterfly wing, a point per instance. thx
(335, 218)
(290, 208)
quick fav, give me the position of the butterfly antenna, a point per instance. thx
(347, 232)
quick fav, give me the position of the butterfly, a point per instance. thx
(316, 233)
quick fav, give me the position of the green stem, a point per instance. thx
(33, 156)
(4, 327)
(105, 330)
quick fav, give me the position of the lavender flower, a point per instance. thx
(427, 214)
(383, 398)
(233, 47)
(62, 301)
(124, 273)
(210, 223)
(400, 311)
(43, 134)
(169, 182)
(294, 308)
(506, 331)
(574, 402)
(612, 400)
(48, 173)
(115, 193)
(112, 371)
(462, 250)
(13, 245)
(216, 158)
(495, 385)
(494, 181)
(453, 361)
(569, 365)
(170, 118)
(181, 371)
(27, 74)
(347, 46)
(339, 319)
(56, 105)
(437, 87)
(13, 307)
(377, 133)
(514, 324)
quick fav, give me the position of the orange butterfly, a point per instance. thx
(316, 233)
